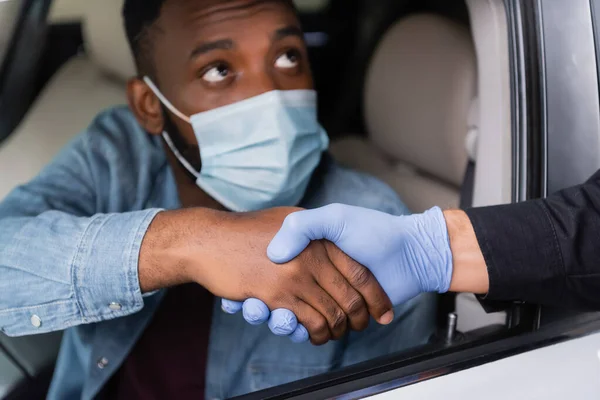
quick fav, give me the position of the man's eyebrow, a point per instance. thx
(223, 44)
(288, 31)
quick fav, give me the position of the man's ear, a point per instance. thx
(145, 106)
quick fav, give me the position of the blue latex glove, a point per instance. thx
(408, 255)
(282, 322)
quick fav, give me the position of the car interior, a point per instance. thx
(414, 92)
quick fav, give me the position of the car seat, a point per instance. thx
(83, 87)
(420, 87)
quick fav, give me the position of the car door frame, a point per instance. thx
(20, 65)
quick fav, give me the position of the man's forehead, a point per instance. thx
(187, 25)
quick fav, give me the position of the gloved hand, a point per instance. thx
(408, 255)
(282, 322)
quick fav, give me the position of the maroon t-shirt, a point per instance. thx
(169, 360)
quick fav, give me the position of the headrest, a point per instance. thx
(66, 11)
(105, 38)
(419, 90)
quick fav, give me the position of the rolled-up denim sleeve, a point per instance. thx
(59, 271)
(63, 262)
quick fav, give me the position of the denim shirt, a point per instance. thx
(69, 247)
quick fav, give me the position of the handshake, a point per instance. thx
(333, 268)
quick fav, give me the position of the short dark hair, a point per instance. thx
(139, 17)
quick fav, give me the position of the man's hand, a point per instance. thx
(226, 253)
(283, 322)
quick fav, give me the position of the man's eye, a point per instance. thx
(289, 59)
(216, 74)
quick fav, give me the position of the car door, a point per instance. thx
(545, 353)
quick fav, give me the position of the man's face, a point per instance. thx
(211, 53)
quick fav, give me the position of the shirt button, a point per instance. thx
(115, 306)
(36, 321)
(102, 363)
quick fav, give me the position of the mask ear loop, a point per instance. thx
(164, 100)
(165, 135)
(180, 157)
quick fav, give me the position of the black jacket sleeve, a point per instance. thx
(544, 251)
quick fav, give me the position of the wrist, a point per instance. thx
(436, 243)
(469, 268)
(164, 256)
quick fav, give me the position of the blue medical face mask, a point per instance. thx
(258, 153)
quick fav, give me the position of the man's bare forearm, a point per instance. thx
(469, 268)
(173, 240)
